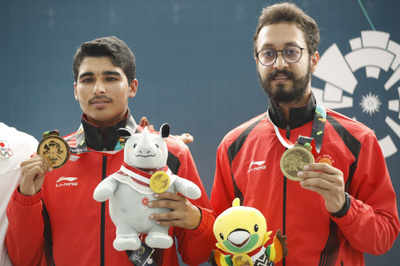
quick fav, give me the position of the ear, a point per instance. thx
(75, 91)
(314, 61)
(133, 87)
(164, 129)
(125, 132)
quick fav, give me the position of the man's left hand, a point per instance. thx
(327, 181)
(182, 212)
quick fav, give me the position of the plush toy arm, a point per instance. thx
(278, 247)
(105, 189)
(187, 188)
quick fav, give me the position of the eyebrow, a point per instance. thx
(114, 73)
(105, 73)
(269, 45)
(86, 74)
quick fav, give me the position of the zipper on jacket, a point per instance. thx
(284, 198)
(103, 214)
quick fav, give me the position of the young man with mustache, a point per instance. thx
(54, 219)
(340, 206)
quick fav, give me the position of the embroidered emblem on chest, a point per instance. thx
(325, 158)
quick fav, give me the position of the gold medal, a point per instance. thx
(294, 159)
(159, 182)
(242, 260)
(54, 148)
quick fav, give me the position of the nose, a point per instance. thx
(280, 62)
(99, 88)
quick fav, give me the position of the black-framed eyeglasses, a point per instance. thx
(291, 54)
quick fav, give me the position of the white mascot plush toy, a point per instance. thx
(143, 173)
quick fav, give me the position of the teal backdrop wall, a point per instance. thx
(195, 66)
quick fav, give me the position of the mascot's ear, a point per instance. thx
(164, 129)
(125, 132)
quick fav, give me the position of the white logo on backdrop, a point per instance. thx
(375, 52)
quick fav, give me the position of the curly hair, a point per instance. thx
(289, 13)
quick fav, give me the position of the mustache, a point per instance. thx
(100, 98)
(277, 72)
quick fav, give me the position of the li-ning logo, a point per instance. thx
(256, 165)
(365, 96)
(66, 181)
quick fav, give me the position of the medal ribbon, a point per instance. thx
(317, 132)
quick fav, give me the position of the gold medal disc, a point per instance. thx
(159, 182)
(242, 260)
(55, 149)
(293, 160)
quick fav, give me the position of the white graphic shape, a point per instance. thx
(393, 79)
(388, 147)
(332, 93)
(372, 72)
(375, 39)
(393, 105)
(342, 76)
(393, 125)
(370, 104)
(395, 49)
(355, 44)
(346, 101)
(369, 57)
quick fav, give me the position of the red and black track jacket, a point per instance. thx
(247, 166)
(64, 223)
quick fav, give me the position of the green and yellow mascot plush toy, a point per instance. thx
(241, 234)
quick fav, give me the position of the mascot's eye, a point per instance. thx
(255, 227)
(134, 145)
(221, 236)
(157, 145)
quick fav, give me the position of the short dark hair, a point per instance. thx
(289, 13)
(112, 47)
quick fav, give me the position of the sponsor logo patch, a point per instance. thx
(67, 182)
(256, 165)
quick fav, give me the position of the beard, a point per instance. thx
(282, 94)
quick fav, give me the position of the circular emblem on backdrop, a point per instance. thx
(54, 148)
(364, 84)
(294, 159)
(159, 182)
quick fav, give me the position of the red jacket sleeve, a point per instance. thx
(371, 224)
(195, 245)
(222, 193)
(24, 238)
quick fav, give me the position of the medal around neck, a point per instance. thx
(294, 159)
(242, 260)
(54, 148)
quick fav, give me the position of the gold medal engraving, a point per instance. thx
(242, 260)
(54, 148)
(159, 182)
(294, 159)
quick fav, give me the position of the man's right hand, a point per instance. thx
(33, 172)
